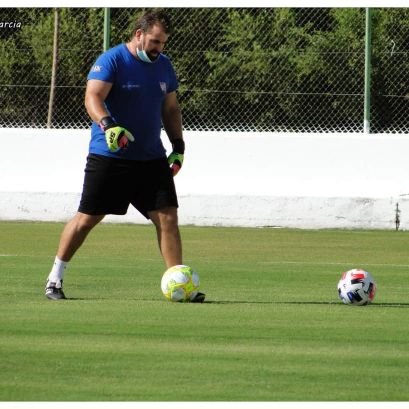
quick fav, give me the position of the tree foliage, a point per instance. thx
(239, 68)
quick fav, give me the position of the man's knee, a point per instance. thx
(86, 222)
(165, 218)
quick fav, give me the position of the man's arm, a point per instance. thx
(116, 136)
(172, 122)
(172, 117)
(95, 95)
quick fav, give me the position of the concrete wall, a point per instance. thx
(245, 179)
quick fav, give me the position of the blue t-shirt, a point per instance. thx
(134, 101)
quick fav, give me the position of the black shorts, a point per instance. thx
(111, 184)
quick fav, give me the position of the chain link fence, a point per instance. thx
(240, 69)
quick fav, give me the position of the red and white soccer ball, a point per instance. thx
(356, 287)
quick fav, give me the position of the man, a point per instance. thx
(131, 90)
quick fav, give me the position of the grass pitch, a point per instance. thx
(272, 328)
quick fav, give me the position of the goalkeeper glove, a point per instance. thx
(116, 136)
(175, 159)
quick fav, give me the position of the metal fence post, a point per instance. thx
(368, 53)
(53, 69)
(107, 27)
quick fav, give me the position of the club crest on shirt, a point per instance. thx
(163, 87)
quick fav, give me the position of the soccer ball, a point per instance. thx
(180, 283)
(356, 287)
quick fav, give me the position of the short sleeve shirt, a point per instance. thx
(134, 101)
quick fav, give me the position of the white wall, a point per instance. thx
(245, 179)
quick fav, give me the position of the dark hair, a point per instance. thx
(151, 18)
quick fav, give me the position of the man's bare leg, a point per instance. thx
(170, 243)
(74, 234)
(72, 237)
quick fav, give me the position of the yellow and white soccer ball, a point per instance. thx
(180, 283)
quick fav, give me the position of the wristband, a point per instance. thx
(106, 122)
(178, 145)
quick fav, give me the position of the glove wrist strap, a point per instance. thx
(178, 146)
(106, 123)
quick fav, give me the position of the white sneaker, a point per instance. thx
(53, 291)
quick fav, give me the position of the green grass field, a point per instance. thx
(272, 328)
